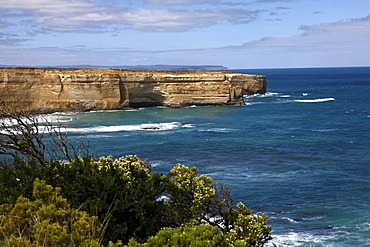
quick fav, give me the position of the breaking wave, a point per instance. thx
(138, 127)
(267, 94)
(301, 239)
(314, 100)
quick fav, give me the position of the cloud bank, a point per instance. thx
(90, 16)
(27, 27)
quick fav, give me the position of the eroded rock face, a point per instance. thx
(50, 90)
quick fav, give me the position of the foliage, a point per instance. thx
(48, 220)
(197, 200)
(248, 229)
(190, 195)
(121, 192)
(17, 179)
(202, 235)
(125, 195)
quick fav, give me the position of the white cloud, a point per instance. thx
(50, 7)
(182, 20)
(89, 16)
(341, 43)
(275, 1)
(180, 2)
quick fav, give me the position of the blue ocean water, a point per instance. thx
(300, 153)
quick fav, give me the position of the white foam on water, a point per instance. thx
(55, 119)
(300, 239)
(8, 122)
(325, 130)
(361, 227)
(155, 164)
(138, 127)
(188, 126)
(40, 119)
(285, 96)
(93, 136)
(253, 103)
(314, 100)
(289, 219)
(312, 218)
(67, 113)
(267, 94)
(218, 130)
(6, 132)
(98, 111)
(41, 129)
(221, 130)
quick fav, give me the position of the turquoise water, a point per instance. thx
(300, 153)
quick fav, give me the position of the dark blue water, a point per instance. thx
(300, 153)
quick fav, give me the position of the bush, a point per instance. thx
(192, 236)
(121, 192)
(125, 195)
(248, 229)
(48, 220)
(189, 195)
(17, 179)
(196, 200)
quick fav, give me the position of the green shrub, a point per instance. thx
(48, 220)
(121, 192)
(248, 229)
(124, 195)
(17, 179)
(192, 236)
(197, 200)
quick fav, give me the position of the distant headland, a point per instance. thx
(45, 90)
(156, 67)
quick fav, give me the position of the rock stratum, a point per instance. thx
(53, 90)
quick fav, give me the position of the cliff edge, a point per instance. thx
(51, 90)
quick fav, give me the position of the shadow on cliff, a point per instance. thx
(145, 94)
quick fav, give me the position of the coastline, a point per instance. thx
(47, 90)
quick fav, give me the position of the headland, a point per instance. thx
(46, 90)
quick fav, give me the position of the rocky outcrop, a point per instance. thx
(50, 90)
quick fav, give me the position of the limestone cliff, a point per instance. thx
(50, 90)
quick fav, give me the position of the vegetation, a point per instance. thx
(202, 235)
(47, 220)
(102, 201)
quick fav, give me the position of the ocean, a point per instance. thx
(300, 153)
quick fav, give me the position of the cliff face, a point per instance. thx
(50, 90)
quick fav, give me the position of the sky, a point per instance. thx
(233, 33)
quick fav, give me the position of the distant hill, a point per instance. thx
(158, 67)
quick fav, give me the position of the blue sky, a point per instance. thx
(232, 33)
